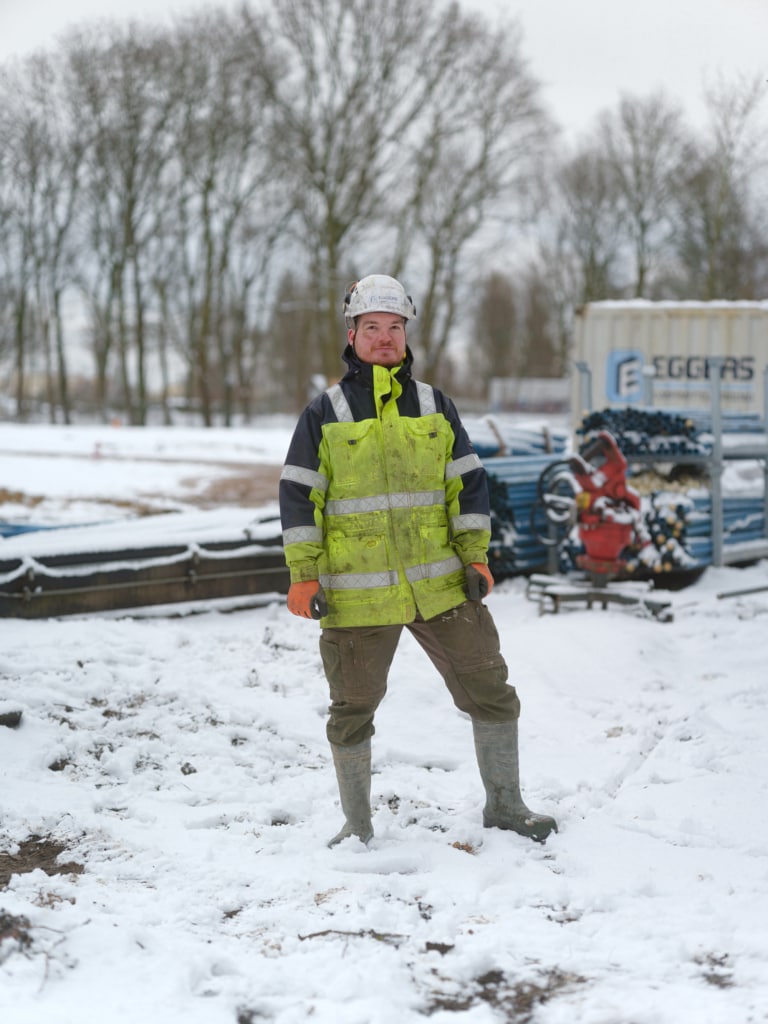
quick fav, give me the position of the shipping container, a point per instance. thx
(664, 354)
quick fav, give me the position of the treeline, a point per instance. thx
(186, 205)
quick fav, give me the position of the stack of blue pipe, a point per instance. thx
(514, 457)
(743, 521)
(512, 481)
(493, 437)
(648, 431)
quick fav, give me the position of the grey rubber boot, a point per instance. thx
(353, 773)
(498, 761)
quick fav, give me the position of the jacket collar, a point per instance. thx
(363, 372)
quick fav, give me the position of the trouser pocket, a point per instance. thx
(356, 663)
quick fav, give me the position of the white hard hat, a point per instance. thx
(377, 293)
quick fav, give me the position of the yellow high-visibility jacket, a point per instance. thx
(383, 499)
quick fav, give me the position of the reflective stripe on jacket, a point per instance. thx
(383, 499)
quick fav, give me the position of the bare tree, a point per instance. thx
(294, 342)
(399, 124)
(40, 175)
(496, 338)
(516, 326)
(589, 228)
(643, 142)
(354, 86)
(474, 159)
(539, 326)
(225, 205)
(123, 85)
(55, 148)
(722, 212)
(16, 245)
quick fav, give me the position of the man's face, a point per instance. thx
(379, 338)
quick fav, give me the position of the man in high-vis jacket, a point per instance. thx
(386, 524)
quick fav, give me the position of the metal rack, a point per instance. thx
(714, 462)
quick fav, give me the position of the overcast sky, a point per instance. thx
(584, 52)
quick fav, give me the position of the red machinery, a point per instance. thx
(607, 510)
(589, 492)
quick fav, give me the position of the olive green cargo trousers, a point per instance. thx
(462, 644)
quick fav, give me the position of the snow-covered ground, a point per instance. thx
(180, 760)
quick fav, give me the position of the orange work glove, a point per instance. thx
(307, 599)
(479, 581)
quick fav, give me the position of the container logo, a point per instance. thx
(624, 375)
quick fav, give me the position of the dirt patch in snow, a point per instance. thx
(256, 487)
(35, 852)
(251, 488)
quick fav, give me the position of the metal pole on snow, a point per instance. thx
(716, 481)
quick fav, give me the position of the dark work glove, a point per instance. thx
(479, 581)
